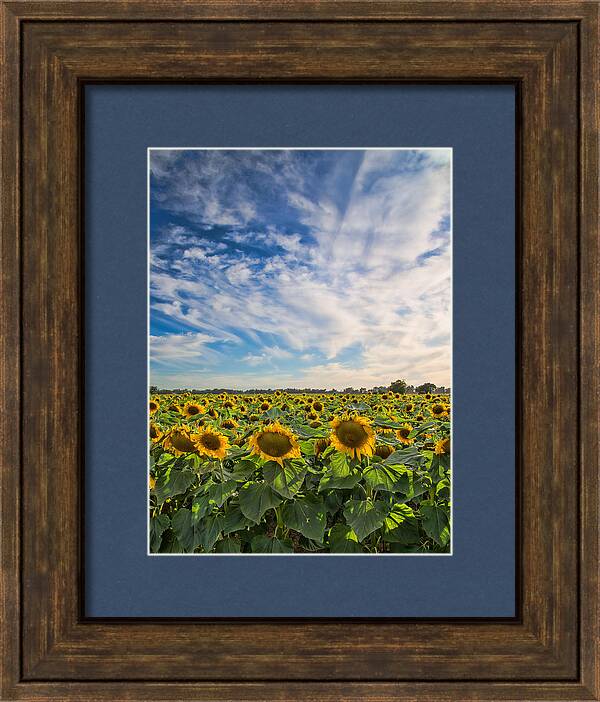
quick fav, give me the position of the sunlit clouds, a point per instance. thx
(286, 268)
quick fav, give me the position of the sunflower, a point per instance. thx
(274, 443)
(402, 434)
(228, 404)
(428, 396)
(321, 445)
(388, 430)
(213, 413)
(174, 407)
(438, 410)
(353, 435)
(154, 406)
(383, 450)
(211, 443)
(317, 406)
(191, 409)
(265, 406)
(315, 425)
(179, 441)
(155, 433)
(409, 407)
(312, 416)
(442, 446)
(229, 424)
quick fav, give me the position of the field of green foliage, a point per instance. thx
(305, 473)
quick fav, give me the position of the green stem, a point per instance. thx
(280, 524)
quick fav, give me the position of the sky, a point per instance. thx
(299, 268)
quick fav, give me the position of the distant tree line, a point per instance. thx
(399, 386)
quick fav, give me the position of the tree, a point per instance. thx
(426, 387)
(398, 386)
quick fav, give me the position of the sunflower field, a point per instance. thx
(304, 473)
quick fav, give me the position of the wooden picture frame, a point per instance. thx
(549, 50)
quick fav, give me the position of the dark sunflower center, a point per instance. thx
(211, 442)
(383, 451)
(153, 432)
(317, 406)
(274, 444)
(228, 424)
(264, 406)
(182, 443)
(351, 433)
(153, 406)
(437, 409)
(193, 410)
(404, 433)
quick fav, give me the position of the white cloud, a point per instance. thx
(368, 292)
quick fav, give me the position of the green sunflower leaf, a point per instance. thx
(342, 539)
(380, 476)
(307, 448)
(286, 480)
(306, 515)
(243, 469)
(172, 482)
(158, 525)
(435, 521)
(183, 527)
(409, 456)
(365, 516)
(234, 520)
(256, 499)
(228, 545)
(201, 505)
(265, 544)
(401, 526)
(338, 465)
(208, 531)
(421, 428)
(219, 492)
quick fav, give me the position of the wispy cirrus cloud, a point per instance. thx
(305, 268)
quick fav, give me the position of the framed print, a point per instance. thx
(192, 296)
(299, 350)
(265, 457)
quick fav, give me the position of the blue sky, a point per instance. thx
(299, 268)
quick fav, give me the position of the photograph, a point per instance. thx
(300, 351)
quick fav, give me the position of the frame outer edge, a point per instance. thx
(302, 10)
(589, 329)
(10, 370)
(10, 345)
